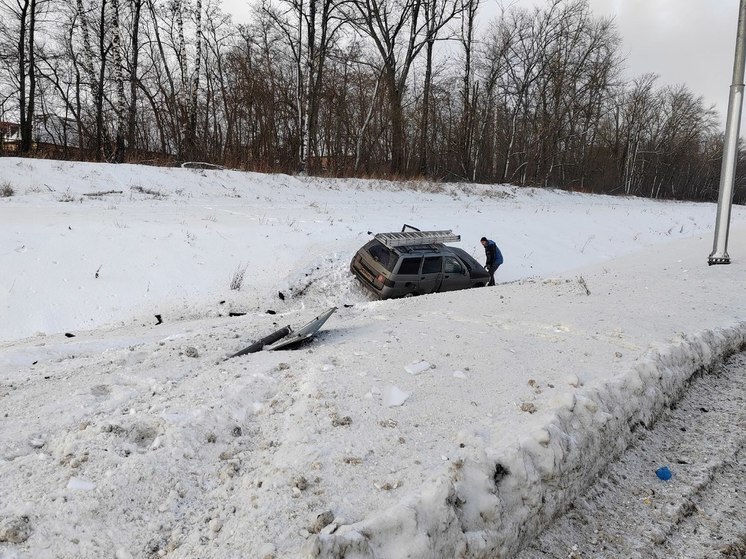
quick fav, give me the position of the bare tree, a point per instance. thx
(309, 28)
(133, 73)
(190, 140)
(103, 137)
(437, 14)
(638, 109)
(119, 105)
(469, 8)
(23, 14)
(322, 86)
(396, 31)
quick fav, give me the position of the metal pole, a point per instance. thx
(719, 253)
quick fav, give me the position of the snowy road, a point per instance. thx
(699, 513)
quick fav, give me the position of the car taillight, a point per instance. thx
(378, 282)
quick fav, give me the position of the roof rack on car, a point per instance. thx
(411, 238)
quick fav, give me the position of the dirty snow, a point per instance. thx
(699, 512)
(129, 435)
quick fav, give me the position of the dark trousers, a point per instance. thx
(492, 268)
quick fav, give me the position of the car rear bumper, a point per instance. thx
(365, 277)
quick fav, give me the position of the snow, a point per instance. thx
(452, 424)
(630, 512)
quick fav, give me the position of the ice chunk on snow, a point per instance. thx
(459, 374)
(542, 437)
(393, 396)
(573, 380)
(417, 368)
(80, 483)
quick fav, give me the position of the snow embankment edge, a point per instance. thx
(490, 502)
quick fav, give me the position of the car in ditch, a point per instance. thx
(406, 263)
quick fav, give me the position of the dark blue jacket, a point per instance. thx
(493, 254)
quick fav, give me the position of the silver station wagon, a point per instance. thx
(415, 263)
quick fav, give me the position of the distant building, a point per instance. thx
(52, 135)
(10, 136)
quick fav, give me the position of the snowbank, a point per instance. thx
(490, 504)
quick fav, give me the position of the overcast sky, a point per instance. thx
(683, 41)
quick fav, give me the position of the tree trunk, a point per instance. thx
(301, 88)
(191, 136)
(396, 112)
(25, 118)
(101, 134)
(27, 73)
(132, 112)
(361, 134)
(470, 8)
(119, 147)
(424, 128)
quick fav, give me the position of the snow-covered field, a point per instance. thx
(127, 438)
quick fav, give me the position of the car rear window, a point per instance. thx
(382, 254)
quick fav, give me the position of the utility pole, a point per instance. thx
(719, 253)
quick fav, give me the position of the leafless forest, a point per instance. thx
(387, 88)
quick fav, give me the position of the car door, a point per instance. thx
(431, 276)
(455, 274)
(408, 276)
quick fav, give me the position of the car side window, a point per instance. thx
(453, 266)
(410, 266)
(433, 265)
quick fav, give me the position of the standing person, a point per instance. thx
(494, 258)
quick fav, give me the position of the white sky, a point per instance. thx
(131, 435)
(683, 41)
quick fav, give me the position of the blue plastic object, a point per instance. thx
(663, 473)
